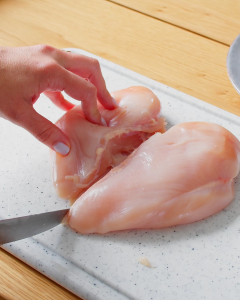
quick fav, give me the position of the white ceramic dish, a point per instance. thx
(196, 261)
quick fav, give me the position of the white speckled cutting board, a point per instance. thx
(196, 261)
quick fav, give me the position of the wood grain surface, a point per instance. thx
(20, 282)
(217, 20)
(145, 36)
(166, 53)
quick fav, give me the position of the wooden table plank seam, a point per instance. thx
(167, 22)
(217, 21)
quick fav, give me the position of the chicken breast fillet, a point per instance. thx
(96, 149)
(178, 177)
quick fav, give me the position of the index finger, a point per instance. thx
(88, 68)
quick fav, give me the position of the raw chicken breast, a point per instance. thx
(96, 149)
(178, 177)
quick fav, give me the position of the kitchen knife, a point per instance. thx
(15, 229)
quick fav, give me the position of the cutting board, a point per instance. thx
(195, 261)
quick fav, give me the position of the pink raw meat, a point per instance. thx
(96, 149)
(178, 177)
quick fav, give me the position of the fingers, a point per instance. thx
(79, 89)
(88, 107)
(86, 92)
(58, 99)
(89, 68)
(77, 68)
(43, 130)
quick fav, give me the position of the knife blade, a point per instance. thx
(15, 229)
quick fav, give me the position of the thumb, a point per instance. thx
(44, 130)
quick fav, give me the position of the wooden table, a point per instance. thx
(181, 43)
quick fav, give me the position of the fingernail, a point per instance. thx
(115, 102)
(103, 122)
(61, 148)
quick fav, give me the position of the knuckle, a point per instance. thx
(47, 64)
(50, 67)
(48, 70)
(44, 134)
(46, 49)
(95, 64)
(91, 91)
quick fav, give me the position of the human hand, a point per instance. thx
(26, 72)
